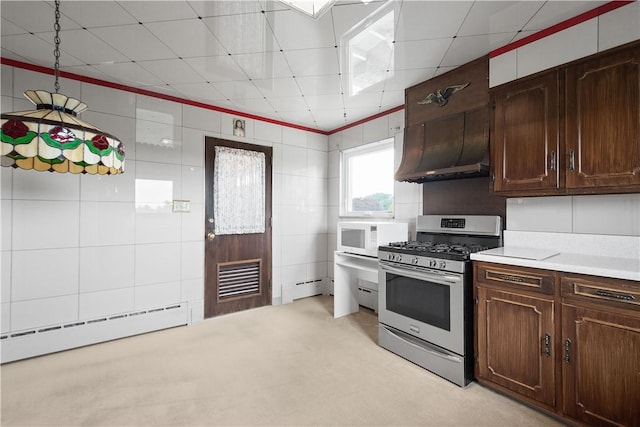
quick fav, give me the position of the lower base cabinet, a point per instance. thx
(568, 344)
(513, 353)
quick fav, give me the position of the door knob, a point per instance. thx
(211, 235)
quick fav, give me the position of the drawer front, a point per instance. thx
(622, 293)
(528, 279)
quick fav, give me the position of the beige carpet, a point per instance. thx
(292, 364)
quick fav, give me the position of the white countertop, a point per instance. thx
(596, 265)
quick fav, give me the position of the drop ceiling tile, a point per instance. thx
(363, 100)
(263, 65)
(392, 99)
(91, 14)
(254, 105)
(34, 49)
(430, 19)
(172, 71)
(465, 49)
(320, 85)
(554, 12)
(8, 28)
(34, 16)
(217, 68)
(154, 10)
(324, 102)
(288, 103)
(432, 51)
(402, 79)
(498, 17)
(188, 38)
(246, 33)
(294, 30)
(303, 117)
(313, 62)
(89, 49)
(135, 41)
(129, 73)
(270, 88)
(237, 89)
(203, 92)
(208, 8)
(329, 119)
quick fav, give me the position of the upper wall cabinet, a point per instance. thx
(570, 130)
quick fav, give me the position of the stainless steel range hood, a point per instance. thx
(451, 147)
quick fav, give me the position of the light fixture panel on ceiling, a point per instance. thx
(313, 8)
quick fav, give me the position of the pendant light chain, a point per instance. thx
(56, 51)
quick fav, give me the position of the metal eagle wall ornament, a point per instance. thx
(440, 97)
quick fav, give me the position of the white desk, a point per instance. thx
(347, 268)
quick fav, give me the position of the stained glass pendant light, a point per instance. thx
(53, 138)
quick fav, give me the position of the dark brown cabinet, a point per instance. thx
(566, 343)
(601, 351)
(603, 121)
(515, 331)
(526, 144)
(574, 129)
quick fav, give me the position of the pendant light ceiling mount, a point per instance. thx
(53, 138)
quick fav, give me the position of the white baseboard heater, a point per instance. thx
(39, 341)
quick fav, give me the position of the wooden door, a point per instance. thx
(601, 366)
(237, 253)
(603, 121)
(515, 343)
(525, 140)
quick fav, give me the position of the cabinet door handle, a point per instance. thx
(567, 350)
(572, 160)
(553, 161)
(616, 295)
(547, 345)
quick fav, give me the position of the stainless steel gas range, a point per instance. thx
(425, 295)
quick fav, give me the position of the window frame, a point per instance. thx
(368, 148)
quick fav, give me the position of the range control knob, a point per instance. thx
(414, 261)
(399, 258)
(391, 257)
(442, 264)
(432, 263)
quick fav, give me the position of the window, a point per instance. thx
(366, 180)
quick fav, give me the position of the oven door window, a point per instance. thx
(421, 300)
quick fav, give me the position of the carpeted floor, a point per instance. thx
(291, 364)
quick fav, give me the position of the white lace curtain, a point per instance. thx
(238, 191)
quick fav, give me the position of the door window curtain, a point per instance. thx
(238, 191)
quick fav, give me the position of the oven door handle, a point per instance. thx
(422, 275)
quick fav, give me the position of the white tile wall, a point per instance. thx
(43, 312)
(45, 186)
(615, 214)
(619, 26)
(159, 295)
(44, 273)
(5, 285)
(575, 42)
(103, 223)
(106, 267)
(131, 251)
(40, 224)
(106, 303)
(157, 263)
(540, 214)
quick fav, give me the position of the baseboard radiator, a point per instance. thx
(36, 342)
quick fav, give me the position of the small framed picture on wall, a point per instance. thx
(238, 127)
